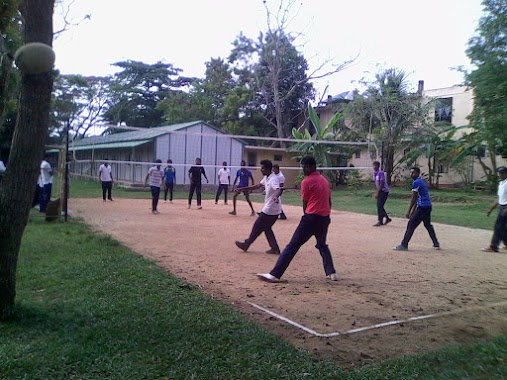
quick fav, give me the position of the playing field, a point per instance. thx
(386, 304)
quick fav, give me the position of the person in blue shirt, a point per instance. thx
(418, 211)
(169, 180)
(245, 176)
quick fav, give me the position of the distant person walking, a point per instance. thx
(381, 194)
(155, 175)
(195, 174)
(316, 196)
(224, 180)
(169, 180)
(418, 211)
(46, 183)
(2, 170)
(270, 211)
(244, 176)
(281, 181)
(106, 178)
(500, 230)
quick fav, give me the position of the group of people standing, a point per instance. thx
(156, 177)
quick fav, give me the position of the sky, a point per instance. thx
(425, 38)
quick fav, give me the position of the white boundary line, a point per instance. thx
(377, 326)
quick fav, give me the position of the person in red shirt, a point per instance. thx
(316, 196)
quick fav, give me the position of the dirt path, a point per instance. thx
(377, 284)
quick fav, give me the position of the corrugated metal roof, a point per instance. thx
(123, 144)
(148, 133)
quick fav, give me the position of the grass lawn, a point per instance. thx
(89, 308)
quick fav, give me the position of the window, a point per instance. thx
(251, 159)
(277, 157)
(443, 110)
(443, 167)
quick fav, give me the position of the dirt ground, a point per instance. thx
(376, 284)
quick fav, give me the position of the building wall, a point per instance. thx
(213, 148)
(276, 156)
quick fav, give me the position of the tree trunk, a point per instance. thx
(5, 69)
(17, 187)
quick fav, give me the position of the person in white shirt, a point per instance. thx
(281, 181)
(500, 230)
(224, 179)
(155, 175)
(270, 211)
(46, 182)
(106, 178)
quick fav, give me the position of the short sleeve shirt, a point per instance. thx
(195, 173)
(281, 178)
(156, 176)
(243, 176)
(380, 176)
(271, 185)
(169, 175)
(105, 173)
(315, 191)
(223, 176)
(502, 192)
(423, 198)
(45, 173)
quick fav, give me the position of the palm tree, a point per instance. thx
(387, 112)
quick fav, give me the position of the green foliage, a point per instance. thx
(78, 103)
(138, 88)
(489, 82)
(205, 99)
(321, 133)
(274, 72)
(388, 112)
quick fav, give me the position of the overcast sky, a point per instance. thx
(426, 38)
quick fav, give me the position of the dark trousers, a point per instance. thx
(197, 188)
(310, 225)
(421, 214)
(155, 193)
(499, 233)
(221, 187)
(45, 197)
(106, 188)
(264, 223)
(169, 187)
(381, 201)
(36, 196)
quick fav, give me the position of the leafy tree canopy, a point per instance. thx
(138, 88)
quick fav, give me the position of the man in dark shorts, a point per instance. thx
(244, 175)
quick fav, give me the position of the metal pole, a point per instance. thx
(66, 178)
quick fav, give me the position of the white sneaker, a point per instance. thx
(333, 277)
(269, 278)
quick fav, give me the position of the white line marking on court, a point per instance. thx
(377, 326)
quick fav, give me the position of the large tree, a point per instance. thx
(206, 98)
(138, 88)
(487, 51)
(78, 105)
(17, 186)
(387, 112)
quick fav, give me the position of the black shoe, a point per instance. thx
(378, 224)
(273, 251)
(242, 245)
(388, 220)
